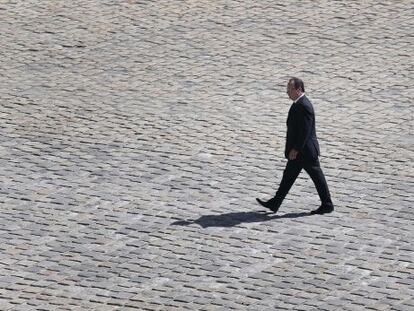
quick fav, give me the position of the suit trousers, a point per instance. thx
(313, 168)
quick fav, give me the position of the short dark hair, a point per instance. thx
(298, 83)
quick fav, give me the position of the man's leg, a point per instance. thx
(315, 172)
(291, 172)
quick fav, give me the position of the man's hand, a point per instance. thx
(293, 154)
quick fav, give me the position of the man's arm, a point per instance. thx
(303, 128)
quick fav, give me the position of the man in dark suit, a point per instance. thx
(301, 150)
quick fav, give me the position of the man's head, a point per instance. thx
(295, 88)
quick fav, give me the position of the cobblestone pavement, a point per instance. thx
(136, 135)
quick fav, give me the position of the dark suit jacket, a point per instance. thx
(301, 132)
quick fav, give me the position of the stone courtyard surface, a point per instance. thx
(136, 135)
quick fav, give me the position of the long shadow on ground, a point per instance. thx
(234, 219)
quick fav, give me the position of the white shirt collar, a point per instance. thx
(296, 100)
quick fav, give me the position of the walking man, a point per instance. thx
(301, 150)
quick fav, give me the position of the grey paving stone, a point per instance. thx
(135, 136)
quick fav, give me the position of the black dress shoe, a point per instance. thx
(323, 210)
(271, 204)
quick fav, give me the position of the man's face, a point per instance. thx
(291, 91)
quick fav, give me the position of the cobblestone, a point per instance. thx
(136, 135)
